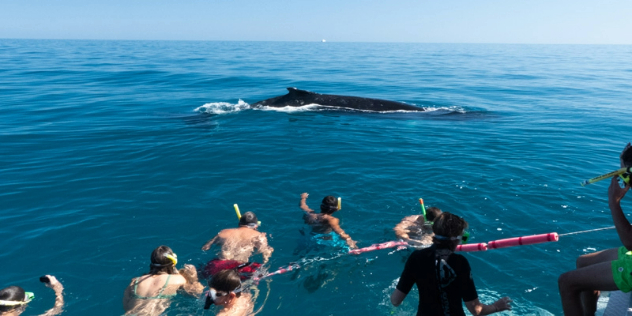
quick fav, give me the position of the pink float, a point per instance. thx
(521, 241)
(472, 247)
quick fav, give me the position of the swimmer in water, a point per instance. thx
(415, 229)
(13, 299)
(227, 291)
(237, 245)
(324, 222)
(151, 293)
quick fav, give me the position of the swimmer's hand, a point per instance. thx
(352, 244)
(615, 192)
(503, 304)
(189, 273)
(54, 284)
(304, 195)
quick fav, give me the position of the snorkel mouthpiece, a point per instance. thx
(209, 300)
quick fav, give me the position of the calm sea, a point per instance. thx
(112, 148)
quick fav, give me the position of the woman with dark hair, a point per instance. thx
(443, 278)
(150, 293)
(324, 222)
(226, 290)
(13, 299)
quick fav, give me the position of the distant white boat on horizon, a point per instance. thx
(324, 40)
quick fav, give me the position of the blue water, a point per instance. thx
(112, 148)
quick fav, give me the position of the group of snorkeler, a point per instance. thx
(443, 278)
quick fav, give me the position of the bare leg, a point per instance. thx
(597, 276)
(589, 298)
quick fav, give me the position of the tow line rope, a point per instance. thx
(587, 231)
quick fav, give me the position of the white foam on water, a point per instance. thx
(223, 107)
(294, 109)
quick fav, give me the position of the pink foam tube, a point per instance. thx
(525, 240)
(472, 247)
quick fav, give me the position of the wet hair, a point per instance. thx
(447, 225)
(248, 218)
(329, 205)
(160, 264)
(226, 281)
(12, 293)
(432, 213)
(626, 156)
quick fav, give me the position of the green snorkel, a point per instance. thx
(464, 238)
(423, 208)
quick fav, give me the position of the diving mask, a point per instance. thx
(212, 295)
(28, 296)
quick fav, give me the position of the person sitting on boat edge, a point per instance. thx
(237, 245)
(324, 222)
(417, 230)
(443, 278)
(150, 293)
(13, 299)
(227, 291)
(606, 270)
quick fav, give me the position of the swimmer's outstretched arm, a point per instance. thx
(59, 296)
(335, 225)
(303, 204)
(193, 285)
(262, 244)
(401, 230)
(209, 243)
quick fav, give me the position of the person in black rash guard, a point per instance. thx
(443, 278)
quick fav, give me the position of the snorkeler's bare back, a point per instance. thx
(150, 286)
(413, 230)
(239, 244)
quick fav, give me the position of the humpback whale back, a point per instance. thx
(298, 92)
(298, 97)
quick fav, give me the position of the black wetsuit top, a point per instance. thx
(421, 269)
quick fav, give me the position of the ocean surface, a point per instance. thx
(112, 148)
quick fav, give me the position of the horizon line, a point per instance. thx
(295, 41)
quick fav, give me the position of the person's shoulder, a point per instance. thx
(411, 218)
(177, 279)
(426, 252)
(461, 259)
(226, 232)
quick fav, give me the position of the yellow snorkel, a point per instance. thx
(237, 211)
(239, 214)
(624, 173)
(173, 258)
(339, 203)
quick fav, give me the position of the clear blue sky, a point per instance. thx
(439, 21)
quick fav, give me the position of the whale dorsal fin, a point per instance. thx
(295, 91)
